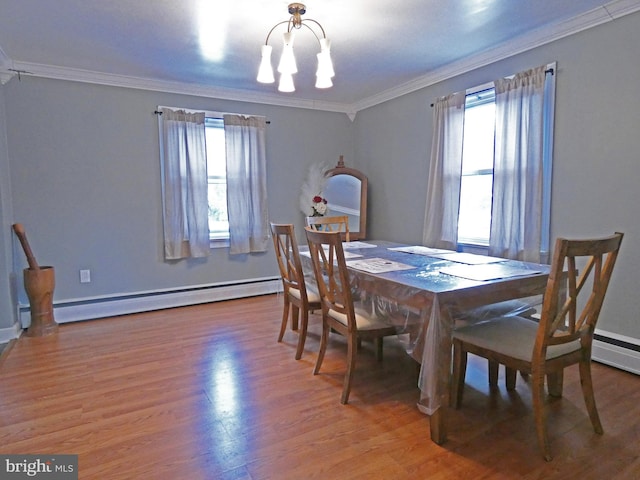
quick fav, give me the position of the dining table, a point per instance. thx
(426, 292)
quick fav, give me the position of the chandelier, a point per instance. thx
(287, 66)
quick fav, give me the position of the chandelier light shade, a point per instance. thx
(288, 59)
(286, 83)
(265, 73)
(325, 66)
(287, 66)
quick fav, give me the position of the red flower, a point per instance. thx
(318, 199)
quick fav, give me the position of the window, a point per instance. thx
(474, 216)
(517, 174)
(476, 185)
(217, 179)
(214, 187)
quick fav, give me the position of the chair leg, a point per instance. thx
(295, 313)
(510, 378)
(302, 335)
(589, 399)
(540, 414)
(323, 346)
(554, 383)
(379, 342)
(285, 318)
(352, 349)
(493, 373)
(459, 372)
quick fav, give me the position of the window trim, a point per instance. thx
(484, 93)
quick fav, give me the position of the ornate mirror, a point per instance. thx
(346, 194)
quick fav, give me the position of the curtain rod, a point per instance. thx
(158, 112)
(548, 70)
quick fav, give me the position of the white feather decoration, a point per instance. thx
(313, 185)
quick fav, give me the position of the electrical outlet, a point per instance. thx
(85, 276)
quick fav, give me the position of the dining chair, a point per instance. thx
(338, 311)
(562, 337)
(338, 223)
(297, 298)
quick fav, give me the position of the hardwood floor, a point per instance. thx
(206, 392)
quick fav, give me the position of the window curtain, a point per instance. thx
(445, 173)
(184, 184)
(516, 214)
(246, 183)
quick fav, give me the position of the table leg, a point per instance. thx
(437, 426)
(441, 326)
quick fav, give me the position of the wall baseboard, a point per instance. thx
(7, 334)
(89, 309)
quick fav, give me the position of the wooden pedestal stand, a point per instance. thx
(39, 282)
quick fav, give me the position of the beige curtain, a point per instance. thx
(445, 172)
(518, 175)
(184, 184)
(246, 183)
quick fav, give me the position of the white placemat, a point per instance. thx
(486, 272)
(358, 244)
(378, 265)
(420, 250)
(468, 258)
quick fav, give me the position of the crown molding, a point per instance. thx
(620, 8)
(603, 14)
(101, 78)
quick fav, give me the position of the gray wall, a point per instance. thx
(597, 151)
(85, 178)
(7, 315)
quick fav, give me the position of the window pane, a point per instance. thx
(478, 138)
(217, 178)
(474, 219)
(216, 162)
(218, 219)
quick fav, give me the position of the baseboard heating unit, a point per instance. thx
(109, 306)
(617, 351)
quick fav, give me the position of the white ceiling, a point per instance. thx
(380, 48)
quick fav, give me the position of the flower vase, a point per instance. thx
(317, 226)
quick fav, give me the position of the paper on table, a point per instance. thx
(420, 250)
(357, 244)
(468, 258)
(378, 265)
(326, 249)
(486, 271)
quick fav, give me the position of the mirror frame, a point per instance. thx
(340, 169)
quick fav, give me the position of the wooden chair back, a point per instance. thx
(338, 223)
(288, 257)
(331, 273)
(575, 293)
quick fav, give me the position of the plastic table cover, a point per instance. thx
(426, 304)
